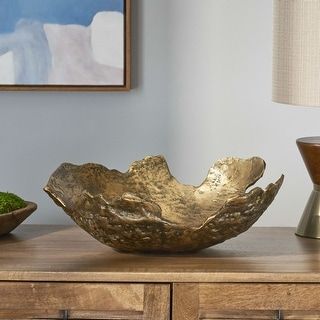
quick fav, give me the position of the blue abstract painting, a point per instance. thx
(62, 42)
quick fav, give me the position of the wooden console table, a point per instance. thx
(60, 272)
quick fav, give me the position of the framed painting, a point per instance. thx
(70, 45)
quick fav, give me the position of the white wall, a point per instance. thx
(202, 76)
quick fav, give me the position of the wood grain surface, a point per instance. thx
(40, 300)
(259, 296)
(185, 302)
(192, 301)
(64, 253)
(156, 302)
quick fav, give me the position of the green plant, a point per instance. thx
(10, 202)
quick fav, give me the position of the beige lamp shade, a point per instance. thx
(296, 52)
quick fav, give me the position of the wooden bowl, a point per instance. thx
(147, 210)
(9, 221)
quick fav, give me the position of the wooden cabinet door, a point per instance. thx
(84, 301)
(246, 301)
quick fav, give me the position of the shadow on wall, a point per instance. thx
(136, 43)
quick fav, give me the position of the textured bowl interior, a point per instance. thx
(147, 209)
(9, 221)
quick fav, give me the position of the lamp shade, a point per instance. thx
(296, 52)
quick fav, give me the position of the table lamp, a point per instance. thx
(296, 81)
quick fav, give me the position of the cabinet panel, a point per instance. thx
(259, 296)
(84, 301)
(260, 315)
(246, 301)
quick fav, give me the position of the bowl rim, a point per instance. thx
(31, 206)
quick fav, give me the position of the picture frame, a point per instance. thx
(113, 77)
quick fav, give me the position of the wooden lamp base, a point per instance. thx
(309, 225)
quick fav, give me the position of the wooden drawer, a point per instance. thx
(246, 301)
(84, 301)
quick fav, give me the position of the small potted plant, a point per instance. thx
(13, 211)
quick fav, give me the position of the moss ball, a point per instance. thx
(10, 202)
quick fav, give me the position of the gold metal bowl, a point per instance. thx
(147, 210)
(9, 221)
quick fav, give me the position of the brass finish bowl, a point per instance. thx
(9, 221)
(147, 210)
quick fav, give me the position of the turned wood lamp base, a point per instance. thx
(309, 225)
